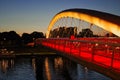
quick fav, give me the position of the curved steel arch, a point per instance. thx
(106, 21)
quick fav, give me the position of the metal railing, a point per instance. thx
(101, 51)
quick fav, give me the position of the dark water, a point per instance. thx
(45, 68)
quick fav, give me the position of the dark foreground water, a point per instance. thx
(45, 68)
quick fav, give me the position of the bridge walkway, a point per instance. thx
(104, 52)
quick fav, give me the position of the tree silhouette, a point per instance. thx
(26, 38)
(36, 35)
(86, 33)
(14, 37)
(63, 32)
(10, 39)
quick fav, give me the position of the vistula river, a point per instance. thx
(45, 68)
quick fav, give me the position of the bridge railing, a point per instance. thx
(104, 52)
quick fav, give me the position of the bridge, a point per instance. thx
(101, 54)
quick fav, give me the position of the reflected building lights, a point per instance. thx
(5, 64)
(33, 65)
(47, 70)
(58, 63)
(86, 73)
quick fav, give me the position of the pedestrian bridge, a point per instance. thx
(101, 54)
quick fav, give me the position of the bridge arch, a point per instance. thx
(104, 20)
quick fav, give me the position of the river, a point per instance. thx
(45, 68)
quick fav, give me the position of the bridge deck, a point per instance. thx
(104, 52)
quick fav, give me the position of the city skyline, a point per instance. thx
(35, 15)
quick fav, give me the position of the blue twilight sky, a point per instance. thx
(35, 15)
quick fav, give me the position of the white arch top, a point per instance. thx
(106, 21)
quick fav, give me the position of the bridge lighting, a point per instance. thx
(103, 56)
(88, 16)
(90, 49)
(106, 45)
(96, 44)
(72, 37)
(117, 48)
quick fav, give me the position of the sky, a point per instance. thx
(35, 15)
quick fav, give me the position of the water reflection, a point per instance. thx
(59, 68)
(5, 64)
(16, 69)
(45, 68)
(58, 63)
(34, 65)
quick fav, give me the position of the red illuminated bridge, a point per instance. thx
(101, 54)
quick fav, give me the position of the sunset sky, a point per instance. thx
(35, 15)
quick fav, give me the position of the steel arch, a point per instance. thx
(104, 20)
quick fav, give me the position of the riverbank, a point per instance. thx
(28, 51)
